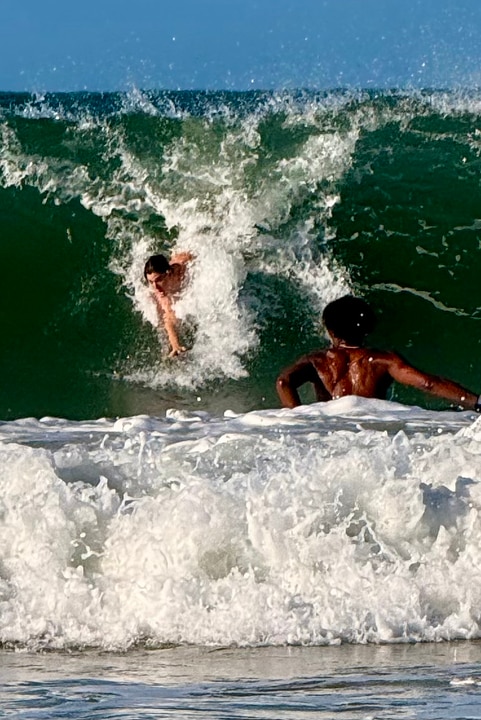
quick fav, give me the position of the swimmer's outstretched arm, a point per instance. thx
(302, 372)
(170, 322)
(405, 374)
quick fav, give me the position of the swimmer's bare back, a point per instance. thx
(365, 372)
(353, 371)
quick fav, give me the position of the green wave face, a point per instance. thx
(287, 201)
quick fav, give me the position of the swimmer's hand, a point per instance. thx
(177, 351)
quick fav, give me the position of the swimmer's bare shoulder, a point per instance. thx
(182, 258)
(306, 365)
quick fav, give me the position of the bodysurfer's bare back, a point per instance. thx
(349, 368)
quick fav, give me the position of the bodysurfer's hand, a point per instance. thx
(177, 351)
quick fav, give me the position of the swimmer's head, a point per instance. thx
(156, 264)
(349, 319)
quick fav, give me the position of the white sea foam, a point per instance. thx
(218, 220)
(350, 521)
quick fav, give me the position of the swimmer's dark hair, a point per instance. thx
(156, 264)
(349, 318)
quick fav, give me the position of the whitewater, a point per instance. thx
(350, 521)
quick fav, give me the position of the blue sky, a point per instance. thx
(48, 45)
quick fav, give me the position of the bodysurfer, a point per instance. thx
(348, 368)
(166, 280)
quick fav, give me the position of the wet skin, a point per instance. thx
(352, 370)
(164, 287)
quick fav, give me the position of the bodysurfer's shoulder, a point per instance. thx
(373, 354)
(304, 366)
(389, 358)
(314, 357)
(182, 258)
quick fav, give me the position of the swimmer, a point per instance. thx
(166, 281)
(348, 368)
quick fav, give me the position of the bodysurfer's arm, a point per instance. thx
(169, 320)
(402, 372)
(302, 372)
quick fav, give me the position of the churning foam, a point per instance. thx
(348, 521)
(218, 216)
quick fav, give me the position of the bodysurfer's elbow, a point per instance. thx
(287, 394)
(283, 384)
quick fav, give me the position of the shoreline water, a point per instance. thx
(437, 681)
(171, 665)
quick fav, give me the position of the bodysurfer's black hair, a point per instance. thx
(156, 264)
(349, 318)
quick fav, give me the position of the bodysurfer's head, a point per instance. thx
(156, 264)
(349, 319)
(156, 271)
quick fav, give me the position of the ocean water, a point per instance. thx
(171, 540)
(287, 201)
(440, 681)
